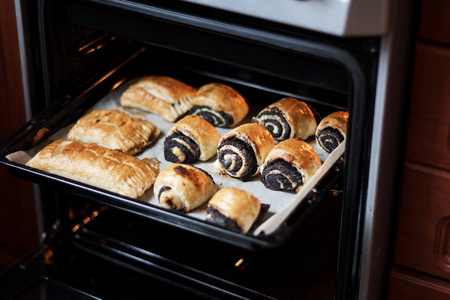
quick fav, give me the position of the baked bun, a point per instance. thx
(332, 130)
(191, 138)
(98, 166)
(183, 187)
(289, 166)
(234, 209)
(242, 150)
(219, 104)
(162, 95)
(288, 118)
(114, 129)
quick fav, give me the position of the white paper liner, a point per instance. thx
(276, 199)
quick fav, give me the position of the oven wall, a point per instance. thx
(18, 229)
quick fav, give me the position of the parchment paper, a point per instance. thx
(276, 199)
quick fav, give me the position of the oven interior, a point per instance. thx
(95, 245)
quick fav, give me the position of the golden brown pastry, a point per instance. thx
(114, 129)
(183, 187)
(332, 130)
(242, 150)
(288, 118)
(162, 95)
(98, 166)
(219, 104)
(191, 138)
(289, 165)
(234, 209)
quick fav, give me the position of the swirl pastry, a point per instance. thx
(114, 129)
(219, 104)
(98, 166)
(289, 165)
(332, 130)
(234, 209)
(190, 139)
(183, 187)
(288, 118)
(162, 95)
(242, 150)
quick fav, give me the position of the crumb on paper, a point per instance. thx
(40, 134)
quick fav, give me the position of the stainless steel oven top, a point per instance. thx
(336, 17)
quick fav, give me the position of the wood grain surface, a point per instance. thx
(18, 230)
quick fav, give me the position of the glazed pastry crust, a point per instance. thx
(337, 120)
(198, 129)
(95, 165)
(190, 187)
(298, 153)
(162, 95)
(299, 116)
(257, 136)
(114, 129)
(220, 97)
(238, 205)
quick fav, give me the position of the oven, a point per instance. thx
(79, 55)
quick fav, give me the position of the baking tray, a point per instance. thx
(55, 123)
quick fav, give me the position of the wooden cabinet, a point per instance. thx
(423, 234)
(18, 228)
(422, 249)
(428, 139)
(435, 21)
(407, 284)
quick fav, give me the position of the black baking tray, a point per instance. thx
(67, 110)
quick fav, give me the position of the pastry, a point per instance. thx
(234, 209)
(288, 118)
(219, 104)
(183, 187)
(114, 129)
(242, 150)
(162, 95)
(98, 166)
(332, 130)
(289, 165)
(191, 138)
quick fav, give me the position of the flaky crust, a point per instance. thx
(255, 135)
(237, 205)
(190, 187)
(114, 129)
(198, 129)
(95, 165)
(221, 97)
(298, 153)
(162, 95)
(299, 116)
(337, 120)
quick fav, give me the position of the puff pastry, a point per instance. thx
(114, 129)
(219, 104)
(234, 209)
(242, 150)
(183, 187)
(288, 118)
(289, 165)
(191, 138)
(162, 95)
(332, 130)
(98, 166)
